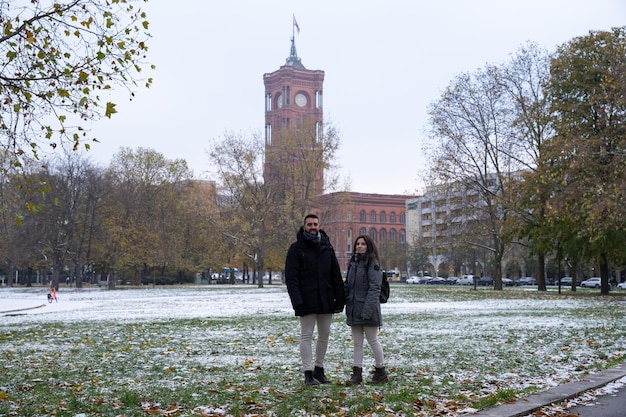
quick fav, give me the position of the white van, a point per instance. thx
(466, 280)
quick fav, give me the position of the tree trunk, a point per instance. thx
(605, 285)
(541, 272)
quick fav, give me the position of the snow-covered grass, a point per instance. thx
(233, 351)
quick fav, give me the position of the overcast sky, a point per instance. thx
(384, 62)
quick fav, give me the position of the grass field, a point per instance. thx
(449, 351)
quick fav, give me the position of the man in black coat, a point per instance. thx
(316, 291)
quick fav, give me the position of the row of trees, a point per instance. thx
(541, 140)
(140, 218)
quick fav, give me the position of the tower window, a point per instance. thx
(268, 134)
(268, 102)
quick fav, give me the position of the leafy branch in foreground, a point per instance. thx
(59, 58)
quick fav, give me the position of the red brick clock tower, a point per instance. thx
(293, 112)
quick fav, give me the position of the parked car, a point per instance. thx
(621, 286)
(566, 281)
(593, 282)
(484, 281)
(413, 280)
(526, 281)
(452, 280)
(507, 282)
(437, 281)
(466, 280)
(425, 280)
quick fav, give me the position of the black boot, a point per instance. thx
(318, 373)
(308, 378)
(356, 377)
(380, 376)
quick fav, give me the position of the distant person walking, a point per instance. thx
(363, 315)
(52, 295)
(316, 290)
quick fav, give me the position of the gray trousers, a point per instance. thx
(371, 334)
(307, 326)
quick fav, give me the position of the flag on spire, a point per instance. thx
(295, 23)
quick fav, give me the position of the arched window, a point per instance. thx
(382, 234)
(362, 216)
(392, 217)
(392, 235)
(372, 216)
(373, 234)
(362, 231)
(402, 236)
(402, 218)
(383, 217)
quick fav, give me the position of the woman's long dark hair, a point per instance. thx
(371, 252)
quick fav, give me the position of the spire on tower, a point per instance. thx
(293, 59)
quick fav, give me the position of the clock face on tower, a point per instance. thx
(300, 99)
(279, 100)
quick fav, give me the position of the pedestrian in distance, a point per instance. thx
(363, 315)
(316, 291)
(52, 294)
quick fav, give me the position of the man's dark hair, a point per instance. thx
(311, 216)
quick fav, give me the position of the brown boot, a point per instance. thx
(356, 377)
(380, 376)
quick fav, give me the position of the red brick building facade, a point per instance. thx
(345, 215)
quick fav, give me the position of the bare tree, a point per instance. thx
(523, 79)
(471, 148)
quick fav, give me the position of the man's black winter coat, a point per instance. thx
(313, 277)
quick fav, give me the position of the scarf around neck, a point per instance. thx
(312, 238)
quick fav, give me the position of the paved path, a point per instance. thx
(609, 405)
(567, 391)
(15, 306)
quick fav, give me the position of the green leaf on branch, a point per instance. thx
(110, 109)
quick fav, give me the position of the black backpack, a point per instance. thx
(384, 289)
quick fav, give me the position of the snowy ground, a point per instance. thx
(450, 342)
(31, 304)
(151, 303)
